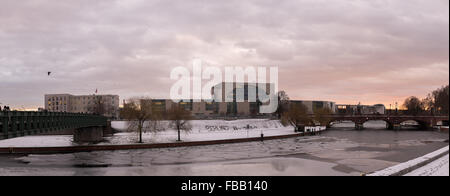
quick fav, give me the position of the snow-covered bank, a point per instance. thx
(206, 130)
(216, 125)
(439, 167)
(202, 130)
(38, 141)
(425, 162)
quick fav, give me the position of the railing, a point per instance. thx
(17, 124)
(383, 116)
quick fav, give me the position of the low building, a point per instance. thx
(380, 109)
(315, 105)
(83, 104)
(236, 100)
(361, 109)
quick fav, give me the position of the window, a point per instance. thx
(318, 104)
(211, 106)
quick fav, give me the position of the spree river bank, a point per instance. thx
(338, 151)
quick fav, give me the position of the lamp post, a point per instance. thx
(396, 107)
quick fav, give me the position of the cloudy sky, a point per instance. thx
(372, 51)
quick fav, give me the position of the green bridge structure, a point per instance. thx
(86, 127)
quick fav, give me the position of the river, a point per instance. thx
(338, 152)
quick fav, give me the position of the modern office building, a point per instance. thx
(204, 109)
(82, 103)
(241, 100)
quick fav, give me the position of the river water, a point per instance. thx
(339, 151)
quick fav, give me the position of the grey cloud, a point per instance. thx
(325, 49)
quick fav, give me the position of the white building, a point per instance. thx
(82, 103)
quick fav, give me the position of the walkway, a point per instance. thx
(435, 168)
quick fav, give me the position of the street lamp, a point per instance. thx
(396, 107)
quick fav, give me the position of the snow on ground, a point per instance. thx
(435, 168)
(402, 166)
(215, 125)
(202, 130)
(38, 141)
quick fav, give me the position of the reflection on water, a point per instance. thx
(340, 151)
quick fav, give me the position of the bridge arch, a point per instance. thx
(360, 122)
(341, 124)
(442, 122)
(392, 121)
(420, 124)
(377, 124)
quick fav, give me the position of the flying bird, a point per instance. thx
(48, 73)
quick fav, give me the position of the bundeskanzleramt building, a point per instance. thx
(225, 102)
(212, 110)
(82, 103)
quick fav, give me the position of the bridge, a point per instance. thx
(90, 127)
(393, 121)
(17, 124)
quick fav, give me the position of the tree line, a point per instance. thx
(298, 116)
(142, 116)
(436, 103)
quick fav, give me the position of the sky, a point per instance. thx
(350, 52)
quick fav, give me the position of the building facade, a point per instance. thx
(236, 100)
(205, 110)
(315, 105)
(83, 104)
(242, 99)
(361, 109)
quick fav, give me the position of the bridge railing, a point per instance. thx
(385, 115)
(16, 124)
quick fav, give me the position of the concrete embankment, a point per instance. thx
(407, 167)
(90, 148)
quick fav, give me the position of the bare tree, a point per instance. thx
(140, 116)
(283, 103)
(441, 100)
(436, 102)
(322, 115)
(179, 119)
(428, 103)
(297, 116)
(414, 105)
